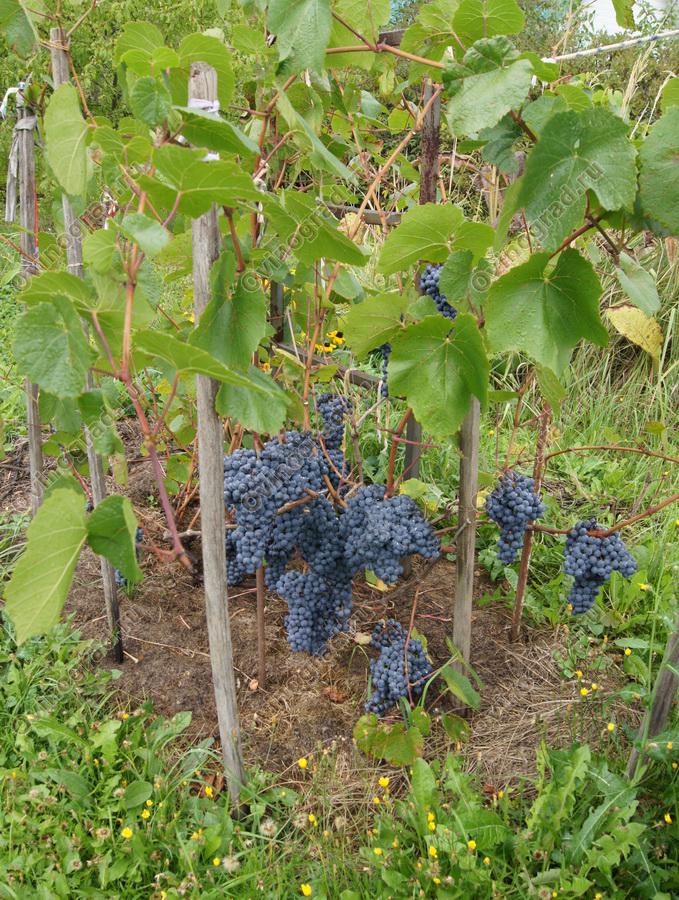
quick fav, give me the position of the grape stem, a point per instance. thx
(607, 532)
(396, 438)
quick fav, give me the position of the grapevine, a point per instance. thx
(512, 505)
(390, 680)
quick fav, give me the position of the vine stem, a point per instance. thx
(387, 48)
(538, 470)
(607, 532)
(394, 450)
(517, 414)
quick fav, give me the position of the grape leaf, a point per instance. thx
(659, 180)
(638, 328)
(39, 585)
(203, 130)
(424, 234)
(484, 99)
(302, 28)
(430, 353)
(638, 284)
(49, 286)
(99, 249)
(576, 152)
(17, 26)
(670, 94)
(545, 313)
(308, 139)
(111, 531)
(65, 139)
(455, 275)
(142, 37)
(477, 19)
(461, 687)
(150, 101)
(51, 349)
(209, 49)
(374, 322)
(624, 13)
(234, 322)
(264, 413)
(147, 233)
(364, 18)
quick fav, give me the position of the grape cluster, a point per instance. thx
(591, 560)
(120, 579)
(429, 284)
(334, 546)
(385, 351)
(378, 532)
(512, 505)
(388, 671)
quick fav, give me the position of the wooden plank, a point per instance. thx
(466, 542)
(28, 220)
(203, 86)
(74, 258)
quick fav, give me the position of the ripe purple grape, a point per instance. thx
(591, 560)
(512, 505)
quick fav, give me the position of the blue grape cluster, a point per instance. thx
(429, 284)
(385, 352)
(379, 532)
(591, 560)
(512, 505)
(388, 671)
(334, 546)
(121, 581)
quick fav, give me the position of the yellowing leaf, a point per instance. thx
(638, 328)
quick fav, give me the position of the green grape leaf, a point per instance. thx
(203, 130)
(100, 423)
(659, 180)
(499, 147)
(191, 359)
(111, 530)
(41, 580)
(302, 29)
(199, 183)
(99, 250)
(638, 284)
(65, 139)
(208, 49)
(461, 687)
(545, 313)
(454, 360)
(142, 37)
(550, 387)
(255, 412)
(624, 13)
(150, 101)
(17, 27)
(374, 322)
(51, 349)
(424, 234)
(483, 99)
(147, 233)
(49, 286)
(670, 94)
(234, 322)
(477, 19)
(576, 152)
(305, 135)
(455, 275)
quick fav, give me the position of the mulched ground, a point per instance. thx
(309, 703)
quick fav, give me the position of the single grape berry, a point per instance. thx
(512, 505)
(591, 560)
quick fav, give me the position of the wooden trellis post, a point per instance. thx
(74, 258)
(665, 691)
(466, 538)
(429, 174)
(28, 217)
(203, 87)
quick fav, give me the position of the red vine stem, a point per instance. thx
(602, 533)
(394, 450)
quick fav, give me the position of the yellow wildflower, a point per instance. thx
(149, 803)
(595, 686)
(471, 845)
(611, 726)
(433, 852)
(376, 801)
(126, 833)
(302, 763)
(432, 826)
(145, 814)
(579, 674)
(668, 819)
(313, 820)
(306, 889)
(628, 652)
(378, 851)
(486, 860)
(216, 861)
(644, 587)
(384, 782)
(584, 692)
(669, 745)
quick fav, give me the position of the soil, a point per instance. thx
(308, 703)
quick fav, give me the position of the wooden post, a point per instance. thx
(74, 258)
(526, 552)
(203, 86)
(466, 541)
(277, 311)
(429, 174)
(28, 217)
(666, 687)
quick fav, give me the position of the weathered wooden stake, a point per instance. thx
(74, 257)
(466, 541)
(261, 634)
(429, 174)
(203, 86)
(277, 311)
(666, 687)
(29, 247)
